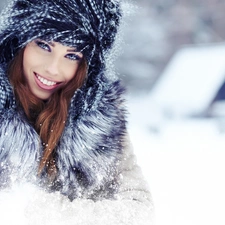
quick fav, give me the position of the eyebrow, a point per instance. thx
(72, 50)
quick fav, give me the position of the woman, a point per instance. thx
(62, 115)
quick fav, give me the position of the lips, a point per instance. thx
(45, 84)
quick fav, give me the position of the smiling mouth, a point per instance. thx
(45, 84)
(45, 81)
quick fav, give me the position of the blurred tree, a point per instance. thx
(159, 28)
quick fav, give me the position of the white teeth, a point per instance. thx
(46, 82)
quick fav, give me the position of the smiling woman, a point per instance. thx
(49, 72)
(62, 116)
(49, 66)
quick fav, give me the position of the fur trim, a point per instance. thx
(7, 99)
(19, 149)
(89, 149)
(88, 25)
(92, 142)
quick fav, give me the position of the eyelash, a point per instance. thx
(73, 57)
(46, 47)
(43, 45)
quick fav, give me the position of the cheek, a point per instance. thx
(70, 72)
(29, 59)
(33, 57)
(26, 62)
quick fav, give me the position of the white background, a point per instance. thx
(183, 161)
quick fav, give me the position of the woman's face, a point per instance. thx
(48, 66)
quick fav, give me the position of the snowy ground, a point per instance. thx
(183, 161)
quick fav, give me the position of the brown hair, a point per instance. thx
(47, 118)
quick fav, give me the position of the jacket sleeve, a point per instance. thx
(133, 185)
(132, 205)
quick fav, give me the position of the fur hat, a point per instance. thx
(88, 25)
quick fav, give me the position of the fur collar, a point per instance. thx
(89, 149)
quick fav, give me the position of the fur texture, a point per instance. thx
(88, 25)
(89, 148)
(92, 142)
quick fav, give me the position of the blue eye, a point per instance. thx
(73, 57)
(43, 45)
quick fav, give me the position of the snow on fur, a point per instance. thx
(91, 146)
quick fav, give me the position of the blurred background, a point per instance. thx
(159, 28)
(173, 64)
(172, 61)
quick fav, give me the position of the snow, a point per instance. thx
(192, 79)
(25, 204)
(183, 162)
(182, 157)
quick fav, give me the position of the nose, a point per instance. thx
(52, 66)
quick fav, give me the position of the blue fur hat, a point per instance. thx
(88, 25)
